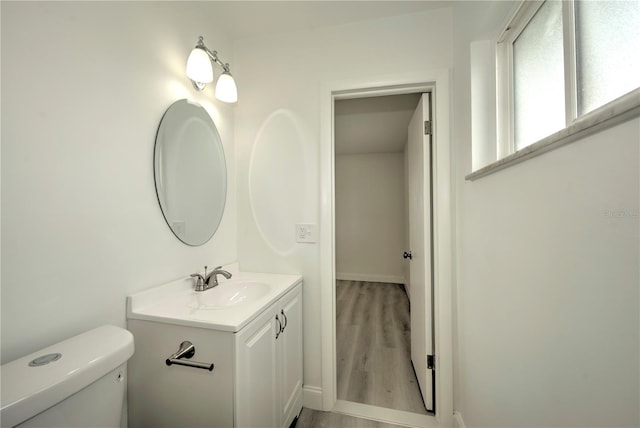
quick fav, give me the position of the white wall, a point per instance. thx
(370, 217)
(284, 74)
(547, 298)
(84, 85)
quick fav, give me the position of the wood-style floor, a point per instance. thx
(316, 419)
(373, 346)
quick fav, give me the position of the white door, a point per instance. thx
(419, 164)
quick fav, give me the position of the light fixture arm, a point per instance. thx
(212, 54)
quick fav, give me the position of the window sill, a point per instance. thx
(620, 110)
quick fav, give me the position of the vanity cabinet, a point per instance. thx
(256, 381)
(269, 366)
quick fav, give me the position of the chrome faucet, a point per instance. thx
(209, 280)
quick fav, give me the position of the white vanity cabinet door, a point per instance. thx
(269, 366)
(256, 395)
(290, 360)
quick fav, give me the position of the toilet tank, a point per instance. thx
(79, 382)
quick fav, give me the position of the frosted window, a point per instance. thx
(538, 68)
(607, 51)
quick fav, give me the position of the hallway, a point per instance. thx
(373, 346)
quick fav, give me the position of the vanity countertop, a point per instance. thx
(177, 302)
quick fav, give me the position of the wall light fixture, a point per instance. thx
(200, 71)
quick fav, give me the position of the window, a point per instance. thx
(607, 51)
(538, 77)
(561, 61)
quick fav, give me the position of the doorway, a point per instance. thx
(358, 87)
(382, 211)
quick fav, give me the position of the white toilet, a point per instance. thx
(79, 382)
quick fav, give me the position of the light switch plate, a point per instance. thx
(306, 233)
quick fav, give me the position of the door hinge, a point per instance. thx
(431, 365)
(427, 127)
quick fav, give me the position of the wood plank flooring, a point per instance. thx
(373, 340)
(316, 419)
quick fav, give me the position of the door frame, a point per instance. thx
(437, 82)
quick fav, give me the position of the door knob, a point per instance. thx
(407, 255)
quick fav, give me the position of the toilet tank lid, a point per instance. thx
(28, 390)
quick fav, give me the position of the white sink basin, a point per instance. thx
(228, 307)
(228, 293)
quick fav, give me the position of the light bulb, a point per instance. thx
(226, 89)
(199, 67)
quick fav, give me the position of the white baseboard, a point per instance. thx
(392, 279)
(312, 397)
(457, 420)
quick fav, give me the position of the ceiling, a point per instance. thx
(373, 125)
(244, 19)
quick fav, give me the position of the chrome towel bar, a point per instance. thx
(187, 350)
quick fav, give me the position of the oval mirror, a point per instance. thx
(190, 172)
